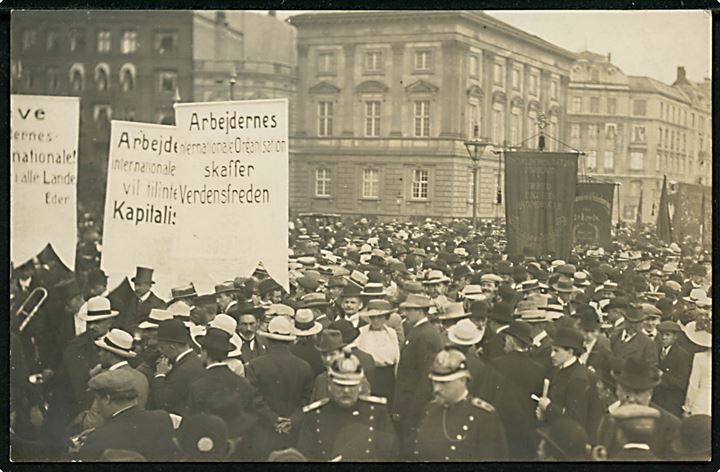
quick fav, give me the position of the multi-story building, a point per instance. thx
(633, 130)
(385, 100)
(126, 65)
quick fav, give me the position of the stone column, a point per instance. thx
(303, 97)
(348, 91)
(397, 89)
(452, 87)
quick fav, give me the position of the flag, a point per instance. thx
(664, 231)
(638, 217)
(593, 213)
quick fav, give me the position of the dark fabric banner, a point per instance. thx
(540, 200)
(663, 227)
(686, 204)
(593, 213)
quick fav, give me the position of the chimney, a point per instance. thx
(220, 18)
(609, 57)
(681, 74)
(272, 12)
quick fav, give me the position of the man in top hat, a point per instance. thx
(81, 354)
(284, 380)
(412, 387)
(347, 426)
(570, 386)
(306, 331)
(521, 378)
(126, 426)
(177, 369)
(457, 426)
(675, 364)
(630, 339)
(635, 380)
(136, 307)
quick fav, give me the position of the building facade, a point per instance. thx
(125, 65)
(386, 99)
(633, 130)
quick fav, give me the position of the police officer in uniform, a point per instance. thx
(457, 426)
(347, 426)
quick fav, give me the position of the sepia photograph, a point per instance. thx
(360, 235)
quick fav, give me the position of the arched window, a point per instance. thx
(127, 77)
(102, 76)
(77, 77)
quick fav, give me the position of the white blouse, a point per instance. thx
(383, 345)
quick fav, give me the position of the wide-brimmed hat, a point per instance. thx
(435, 277)
(305, 324)
(569, 338)
(156, 316)
(143, 275)
(337, 281)
(315, 299)
(694, 436)
(215, 339)
(379, 307)
(521, 331)
(173, 330)
(618, 302)
(417, 301)
(449, 365)
(280, 328)
(465, 333)
(118, 342)
(473, 292)
(695, 295)
(564, 285)
(637, 374)
(98, 309)
(699, 332)
(330, 340)
(347, 370)
(182, 293)
(453, 311)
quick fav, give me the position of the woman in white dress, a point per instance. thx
(381, 342)
(698, 399)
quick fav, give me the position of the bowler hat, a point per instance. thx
(479, 309)
(461, 271)
(215, 339)
(267, 286)
(501, 312)
(379, 307)
(568, 338)
(637, 374)
(330, 340)
(521, 331)
(173, 330)
(143, 275)
(589, 319)
(337, 281)
(351, 290)
(634, 314)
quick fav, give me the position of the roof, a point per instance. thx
(650, 85)
(473, 15)
(591, 56)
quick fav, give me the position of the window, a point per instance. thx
(52, 42)
(611, 106)
(662, 111)
(594, 75)
(610, 131)
(667, 137)
(575, 131)
(420, 184)
(373, 61)
(322, 183)
(591, 160)
(594, 105)
(371, 182)
(127, 77)
(53, 79)
(77, 41)
(576, 102)
(639, 107)
(498, 124)
(516, 82)
(609, 161)
(165, 42)
(554, 90)
(77, 77)
(372, 119)
(423, 60)
(102, 114)
(104, 41)
(167, 81)
(638, 134)
(593, 132)
(473, 120)
(499, 74)
(325, 118)
(474, 67)
(29, 38)
(326, 62)
(422, 118)
(515, 126)
(102, 77)
(637, 160)
(128, 45)
(534, 83)
(658, 160)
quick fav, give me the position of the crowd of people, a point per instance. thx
(397, 341)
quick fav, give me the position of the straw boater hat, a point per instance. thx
(373, 289)
(118, 342)
(449, 365)
(465, 333)
(98, 309)
(156, 316)
(315, 299)
(473, 292)
(280, 328)
(305, 324)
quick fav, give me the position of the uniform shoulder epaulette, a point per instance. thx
(480, 403)
(315, 405)
(373, 399)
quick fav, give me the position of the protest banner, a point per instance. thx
(687, 217)
(540, 190)
(593, 213)
(44, 134)
(234, 176)
(141, 202)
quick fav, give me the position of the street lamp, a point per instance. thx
(233, 81)
(475, 148)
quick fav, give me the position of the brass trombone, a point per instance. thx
(29, 314)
